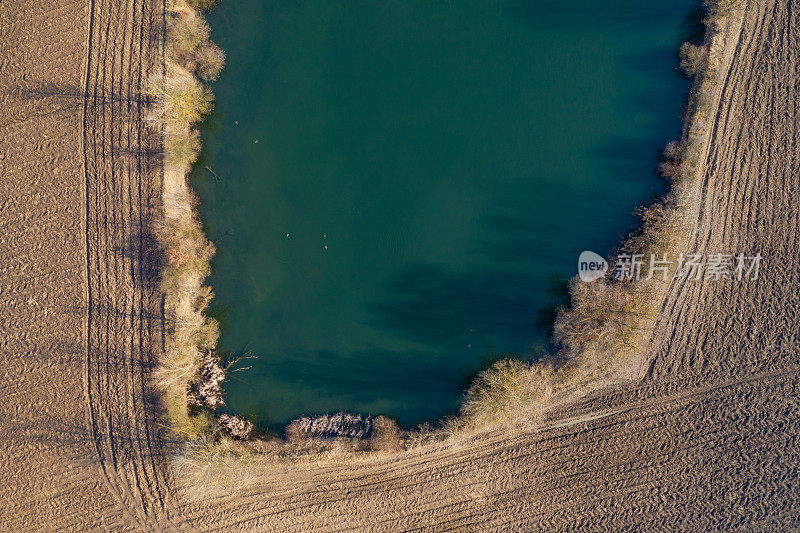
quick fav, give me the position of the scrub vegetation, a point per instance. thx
(598, 333)
(691, 56)
(189, 372)
(213, 447)
(717, 12)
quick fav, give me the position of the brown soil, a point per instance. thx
(708, 439)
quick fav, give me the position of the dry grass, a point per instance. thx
(212, 465)
(598, 331)
(717, 11)
(181, 149)
(386, 436)
(427, 433)
(180, 100)
(189, 44)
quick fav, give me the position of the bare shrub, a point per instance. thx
(207, 468)
(673, 151)
(201, 5)
(386, 435)
(508, 390)
(295, 433)
(671, 166)
(180, 100)
(670, 171)
(206, 388)
(186, 31)
(238, 428)
(182, 148)
(718, 10)
(602, 313)
(189, 45)
(658, 233)
(176, 367)
(691, 58)
(425, 434)
(330, 427)
(210, 61)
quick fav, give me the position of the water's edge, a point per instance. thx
(190, 374)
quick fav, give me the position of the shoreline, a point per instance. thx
(503, 393)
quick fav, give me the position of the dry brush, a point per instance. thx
(599, 333)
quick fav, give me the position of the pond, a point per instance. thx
(398, 189)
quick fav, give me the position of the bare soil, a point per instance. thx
(708, 439)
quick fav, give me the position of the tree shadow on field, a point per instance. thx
(140, 246)
(121, 438)
(73, 95)
(147, 157)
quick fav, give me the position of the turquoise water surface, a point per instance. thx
(399, 185)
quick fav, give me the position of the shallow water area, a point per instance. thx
(395, 188)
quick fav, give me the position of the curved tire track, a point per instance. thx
(709, 440)
(123, 319)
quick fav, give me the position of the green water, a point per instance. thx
(399, 183)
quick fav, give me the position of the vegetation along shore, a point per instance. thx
(600, 333)
(671, 405)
